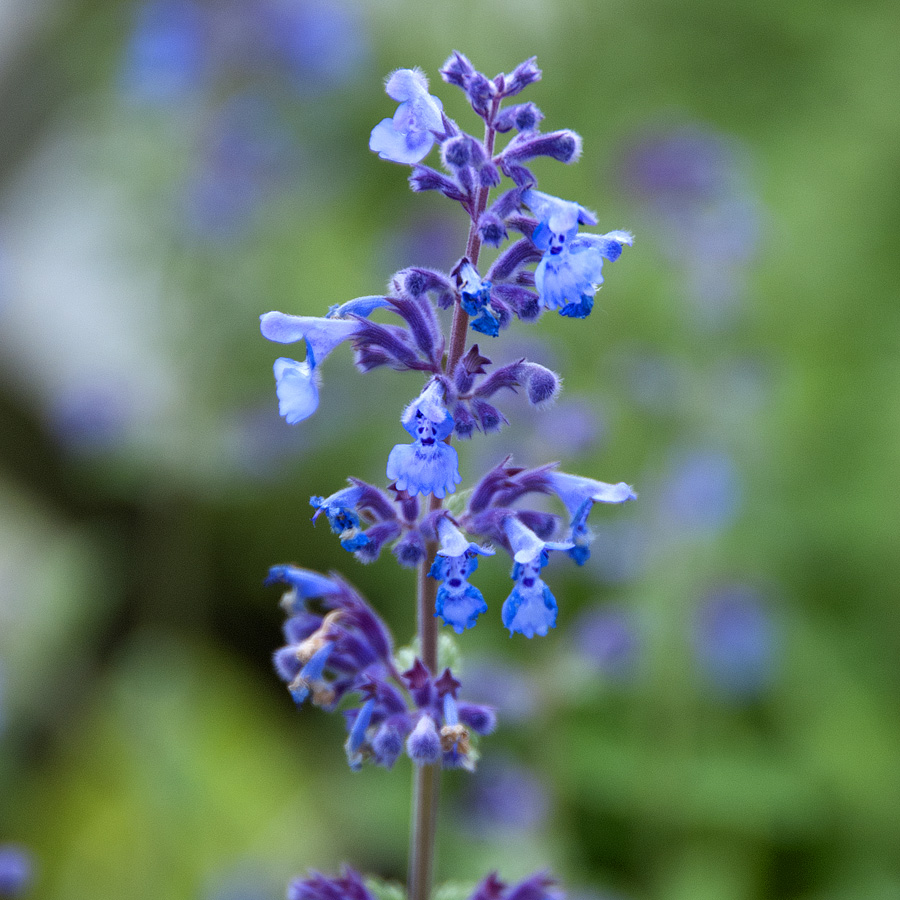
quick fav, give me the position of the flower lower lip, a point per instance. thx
(427, 442)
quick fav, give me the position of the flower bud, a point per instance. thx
(423, 746)
(543, 385)
(489, 417)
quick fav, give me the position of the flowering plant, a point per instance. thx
(338, 651)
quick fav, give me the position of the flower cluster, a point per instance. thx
(338, 652)
(341, 653)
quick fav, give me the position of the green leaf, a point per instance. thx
(386, 890)
(454, 890)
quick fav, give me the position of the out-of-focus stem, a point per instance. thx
(426, 779)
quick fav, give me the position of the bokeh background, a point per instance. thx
(716, 715)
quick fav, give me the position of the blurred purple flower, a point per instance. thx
(506, 688)
(701, 493)
(91, 418)
(321, 44)
(503, 796)
(166, 55)
(695, 186)
(257, 444)
(607, 640)
(735, 640)
(654, 380)
(621, 549)
(15, 870)
(244, 155)
(430, 241)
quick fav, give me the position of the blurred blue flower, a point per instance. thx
(166, 55)
(735, 640)
(245, 152)
(15, 870)
(694, 182)
(607, 640)
(622, 549)
(409, 136)
(702, 491)
(90, 418)
(322, 44)
(504, 797)
(508, 689)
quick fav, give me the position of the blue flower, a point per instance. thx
(342, 517)
(296, 382)
(357, 736)
(458, 603)
(474, 291)
(569, 273)
(475, 297)
(311, 678)
(531, 607)
(579, 496)
(427, 466)
(408, 137)
(423, 746)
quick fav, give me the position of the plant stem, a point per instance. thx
(427, 779)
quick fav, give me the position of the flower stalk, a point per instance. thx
(337, 645)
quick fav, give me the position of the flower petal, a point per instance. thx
(295, 385)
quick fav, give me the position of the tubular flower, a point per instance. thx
(530, 608)
(427, 466)
(458, 603)
(409, 136)
(579, 496)
(569, 273)
(339, 508)
(296, 383)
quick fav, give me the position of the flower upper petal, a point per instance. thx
(408, 136)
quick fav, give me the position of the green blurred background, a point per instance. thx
(716, 714)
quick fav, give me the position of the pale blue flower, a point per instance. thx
(526, 546)
(296, 383)
(427, 466)
(458, 603)
(569, 273)
(408, 137)
(531, 607)
(579, 496)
